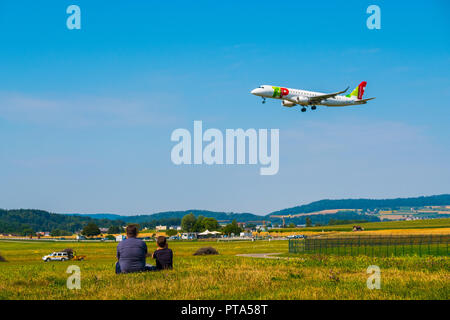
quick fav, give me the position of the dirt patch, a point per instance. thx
(206, 251)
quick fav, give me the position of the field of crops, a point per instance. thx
(225, 276)
(378, 226)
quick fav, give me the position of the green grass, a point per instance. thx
(383, 250)
(388, 225)
(381, 245)
(225, 276)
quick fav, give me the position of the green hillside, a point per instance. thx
(29, 220)
(367, 204)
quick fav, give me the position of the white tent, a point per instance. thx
(207, 233)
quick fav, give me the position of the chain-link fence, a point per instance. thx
(383, 245)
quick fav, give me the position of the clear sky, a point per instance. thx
(86, 115)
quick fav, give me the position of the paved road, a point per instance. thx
(262, 255)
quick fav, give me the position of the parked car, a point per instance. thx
(297, 236)
(56, 256)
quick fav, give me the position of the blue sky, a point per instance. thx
(86, 115)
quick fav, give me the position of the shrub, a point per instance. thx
(69, 252)
(171, 232)
(206, 251)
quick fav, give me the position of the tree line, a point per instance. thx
(29, 221)
(190, 223)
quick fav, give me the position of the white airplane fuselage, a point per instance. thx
(291, 97)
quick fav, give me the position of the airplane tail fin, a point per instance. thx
(358, 92)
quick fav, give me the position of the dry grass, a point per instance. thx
(223, 276)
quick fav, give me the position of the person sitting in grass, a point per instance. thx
(163, 255)
(131, 253)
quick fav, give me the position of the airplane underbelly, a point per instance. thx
(335, 103)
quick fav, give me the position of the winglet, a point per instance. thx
(343, 91)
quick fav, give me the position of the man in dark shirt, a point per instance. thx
(131, 253)
(163, 254)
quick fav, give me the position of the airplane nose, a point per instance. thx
(256, 91)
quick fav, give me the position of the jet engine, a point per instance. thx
(304, 101)
(287, 103)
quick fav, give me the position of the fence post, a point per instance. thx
(359, 244)
(339, 244)
(429, 241)
(439, 244)
(351, 246)
(403, 247)
(420, 246)
(412, 245)
(365, 247)
(387, 246)
(395, 248)
(374, 239)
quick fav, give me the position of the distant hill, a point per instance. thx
(365, 204)
(15, 221)
(109, 216)
(23, 221)
(221, 216)
(436, 200)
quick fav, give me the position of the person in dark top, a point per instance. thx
(131, 253)
(163, 255)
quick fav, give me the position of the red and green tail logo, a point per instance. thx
(358, 91)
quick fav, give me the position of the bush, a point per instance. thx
(206, 251)
(171, 232)
(69, 252)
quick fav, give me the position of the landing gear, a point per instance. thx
(264, 100)
(313, 108)
(303, 109)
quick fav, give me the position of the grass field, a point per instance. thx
(374, 245)
(387, 226)
(225, 276)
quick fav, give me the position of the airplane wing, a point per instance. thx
(317, 99)
(364, 101)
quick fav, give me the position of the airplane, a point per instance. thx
(292, 97)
